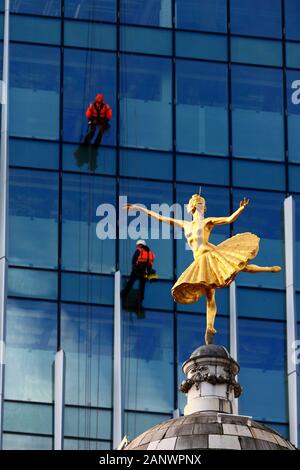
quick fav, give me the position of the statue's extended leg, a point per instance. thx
(211, 310)
(253, 268)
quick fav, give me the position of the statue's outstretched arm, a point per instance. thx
(155, 215)
(231, 218)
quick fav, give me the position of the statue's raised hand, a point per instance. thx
(244, 203)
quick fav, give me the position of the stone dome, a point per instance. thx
(210, 430)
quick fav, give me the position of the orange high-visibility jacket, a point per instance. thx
(145, 256)
(96, 112)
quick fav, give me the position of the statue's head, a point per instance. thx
(195, 202)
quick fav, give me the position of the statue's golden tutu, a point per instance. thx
(213, 266)
(216, 267)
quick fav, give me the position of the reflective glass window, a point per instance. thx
(256, 18)
(145, 105)
(87, 339)
(134, 162)
(257, 113)
(196, 169)
(87, 288)
(202, 15)
(264, 217)
(89, 224)
(146, 40)
(217, 201)
(297, 237)
(292, 19)
(201, 107)
(29, 418)
(33, 213)
(134, 226)
(147, 360)
(137, 423)
(87, 423)
(294, 178)
(34, 85)
(102, 10)
(86, 444)
(190, 328)
(158, 295)
(282, 429)
(90, 35)
(258, 175)
(256, 51)
(263, 367)
(30, 29)
(89, 159)
(31, 345)
(26, 442)
(292, 55)
(150, 13)
(87, 73)
(261, 303)
(293, 109)
(201, 46)
(46, 7)
(33, 153)
(32, 283)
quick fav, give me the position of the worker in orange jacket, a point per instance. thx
(98, 113)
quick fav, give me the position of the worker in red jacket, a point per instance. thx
(98, 113)
(142, 262)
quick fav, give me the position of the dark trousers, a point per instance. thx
(103, 126)
(132, 278)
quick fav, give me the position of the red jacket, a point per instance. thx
(96, 112)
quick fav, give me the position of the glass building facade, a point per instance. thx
(203, 93)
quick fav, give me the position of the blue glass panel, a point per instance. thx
(256, 18)
(201, 14)
(297, 237)
(137, 423)
(257, 113)
(41, 30)
(87, 338)
(134, 163)
(151, 13)
(158, 295)
(294, 178)
(89, 159)
(201, 46)
(87, 288)
(146, 40)
(258, 175)
(33, 153)
(293, 108)
(86, 74)
(31, 345)
(264, 217)
(29, 418)
(32, 283)
(26, 442)
(103, 10)
(98, 427)
(34, 86)
(46, 7)
(283, 429)
(33, 213)
(90, 35)
(86, 444)
(256, 51)
(147, 359)
(201, 111)
(262, 360)
(292, 19)
(202, 170)
(261, 303)
(1, 30)
(83, 249)
(145, 106)
(190, 335)
(135, 226)
(217, 201)
(292, 55)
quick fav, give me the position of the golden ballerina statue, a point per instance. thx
(213, 266)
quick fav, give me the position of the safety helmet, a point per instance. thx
(100, 98)
(141, 242)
